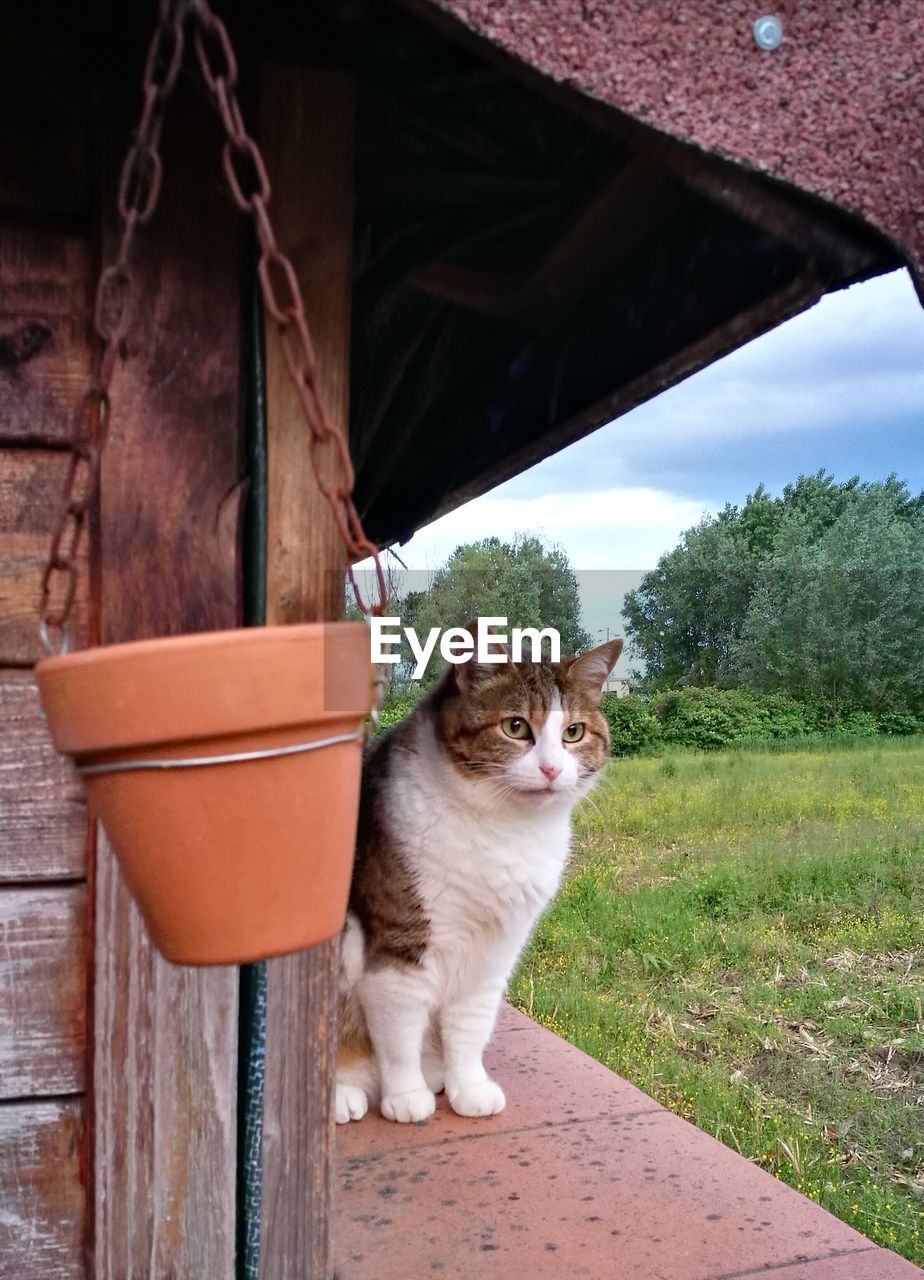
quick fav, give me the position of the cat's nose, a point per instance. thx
(551, 771)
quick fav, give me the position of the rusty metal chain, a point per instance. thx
(282, 297)
(138, 191)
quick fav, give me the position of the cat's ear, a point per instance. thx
(591, 669)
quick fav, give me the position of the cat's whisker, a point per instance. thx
(499, 793)
(589, 800)
(497, 786)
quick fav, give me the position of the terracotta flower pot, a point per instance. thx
(236, 860)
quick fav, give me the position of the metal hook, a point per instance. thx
(45, 639)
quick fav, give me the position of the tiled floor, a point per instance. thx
(581, 1175)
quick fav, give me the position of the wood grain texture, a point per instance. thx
(42, 809)
(311, 170)
(298, 1136)
(44, 325)
(31, 483)
(43, 991)
(43, 1203)
(164, 1102)
(165, 1038)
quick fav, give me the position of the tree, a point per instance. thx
(840, 621)
(685, 616)
(528, 584)
(816, 593)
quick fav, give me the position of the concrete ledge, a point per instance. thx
(581, 1175)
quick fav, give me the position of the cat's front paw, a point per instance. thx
(482, 1098)
(409, 1108)
(351, 1103)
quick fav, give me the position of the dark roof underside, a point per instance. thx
(526, 271)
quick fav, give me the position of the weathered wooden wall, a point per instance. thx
(42, 1190)
(45, 252)
(140, 1182)
(118, 1072)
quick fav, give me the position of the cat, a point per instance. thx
(464, 832)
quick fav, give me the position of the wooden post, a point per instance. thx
(165, 1038)
(306, 135)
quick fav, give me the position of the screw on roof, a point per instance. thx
(768, 32)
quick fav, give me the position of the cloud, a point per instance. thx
(840, 386)
(618, 528)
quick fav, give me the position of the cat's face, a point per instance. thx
(528, 733)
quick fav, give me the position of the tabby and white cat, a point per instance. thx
(464, 832)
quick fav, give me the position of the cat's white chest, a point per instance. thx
(482, 878)
(513, 865)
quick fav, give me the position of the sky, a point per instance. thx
(840, 386)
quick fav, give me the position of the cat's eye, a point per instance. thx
(574, 733)
(515, 727)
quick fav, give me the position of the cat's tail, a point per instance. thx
(357, 1077)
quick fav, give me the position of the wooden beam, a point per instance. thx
(306, 134)
(165, 1038)
(833, 243)
(625, 208)
(496, 293)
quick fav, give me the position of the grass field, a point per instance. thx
(742, 935)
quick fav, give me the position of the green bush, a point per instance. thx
(705, 719)
(708, 719)
(784, 717)
(899, 722)
(858, 724)
(399, 701)
(633, 729)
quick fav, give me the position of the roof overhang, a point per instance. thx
(563, 209)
